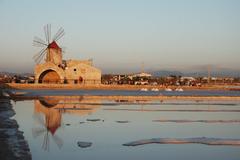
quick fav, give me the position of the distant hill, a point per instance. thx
(13, 74)
(164, 73)
(8, 73)
(214, 73)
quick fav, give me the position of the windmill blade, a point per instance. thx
(38, 41)
(45, 28)
(60, 33)
(45, 144)
(37, 132)
(45, 33)
(58, 141)
(40, 56)
(49, 32)
(48, 29)
(36, 44)
(39, 119)
(56, 34)
(60, 36)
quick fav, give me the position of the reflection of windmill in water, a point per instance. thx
(49, 124)
(49, 110)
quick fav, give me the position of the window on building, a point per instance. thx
(65, 81)
(75, 81)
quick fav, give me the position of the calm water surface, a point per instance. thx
(54, 126)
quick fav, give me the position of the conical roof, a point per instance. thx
(53, 45)
(53, 129)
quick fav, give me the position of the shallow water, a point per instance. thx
(53, 127)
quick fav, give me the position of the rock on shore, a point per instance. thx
(13, 145)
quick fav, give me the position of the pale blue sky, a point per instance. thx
(119, 35)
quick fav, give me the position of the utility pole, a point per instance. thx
(142, 67)
(209, 74)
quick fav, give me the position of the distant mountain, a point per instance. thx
(213, 73)
(18, 74)
(8, 73)
(164, 73)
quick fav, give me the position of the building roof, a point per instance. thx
(142, 74)
(54, 45)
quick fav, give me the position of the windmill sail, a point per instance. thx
(47, 44)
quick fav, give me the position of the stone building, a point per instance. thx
(56, 70)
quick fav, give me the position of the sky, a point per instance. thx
(121, 35)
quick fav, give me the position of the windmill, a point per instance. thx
(49, 46)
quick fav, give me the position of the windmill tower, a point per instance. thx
(50, 49)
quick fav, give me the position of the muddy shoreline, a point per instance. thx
(116, 87)
(130, 99)
(12, 142)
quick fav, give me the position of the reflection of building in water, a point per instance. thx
(51, 122)
(52, 116)
(52, 109)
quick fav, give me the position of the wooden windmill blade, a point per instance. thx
(58, 141)
(45, 144)
(39, 119)
(36, 55)
(39, 56)
(38, 131)
(60, 33)
(38, 42)
(46, 32)
(49, 33)
(46, 44)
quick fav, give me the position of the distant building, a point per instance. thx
(141, 78)
(187, 79)
(142, 74)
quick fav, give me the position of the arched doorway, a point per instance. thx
(49, 76)
(49, 103)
